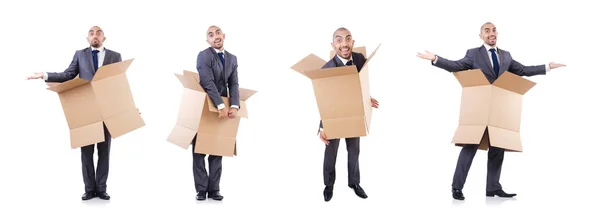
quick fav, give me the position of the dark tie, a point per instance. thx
(495, 61)
(349, 63)
(95, 56)
(222, 58)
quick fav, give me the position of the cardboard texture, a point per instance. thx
(342, 94)
(106, 100)
(199, 117)
(490, 114)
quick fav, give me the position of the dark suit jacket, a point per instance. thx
(358, 60)
(216, 79)
(83, 65)
(477, 58)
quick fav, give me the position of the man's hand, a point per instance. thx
(374, 103)
(36, 75)
(555, 65)
(323, 137)
(427, 55)
(233, 112)
(223, 113)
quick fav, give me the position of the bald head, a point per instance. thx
(96, 37)
(343, 43)
(215, 37)
(340, 31)
(488, 34)
(487, 24)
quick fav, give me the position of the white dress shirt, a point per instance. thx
(222, 105)
(101, 53)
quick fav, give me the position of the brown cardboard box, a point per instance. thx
(342, 95)
(199, 116)
(490, 114)
(107, 100)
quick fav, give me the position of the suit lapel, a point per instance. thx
(504, 62)
(227, 67)
(107, 54)
(487, 60)
(88, 54)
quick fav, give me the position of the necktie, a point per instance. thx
(495, 61)
(95, 56)
(222, 58)
(349, 63)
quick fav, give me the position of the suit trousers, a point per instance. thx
(95, 180)
(331, 150)
(494, 167)
(206, 181)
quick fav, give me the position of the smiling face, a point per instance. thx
(343, 43)
(215, 37)
(488, 34)
(96, 37)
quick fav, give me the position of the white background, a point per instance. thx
(406, 163)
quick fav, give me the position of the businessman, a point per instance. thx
(85, 64)
(219, 78)
(343, 44)
(493, 62)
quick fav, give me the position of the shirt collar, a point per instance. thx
(487, 47)
(217, 50)
(345, 60)
(100, 49)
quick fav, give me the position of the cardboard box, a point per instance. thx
(490, 114)
(106, 100)
(199, 117)
(342, 95)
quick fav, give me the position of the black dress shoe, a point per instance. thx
(88, 195)
(201, 195)
(457, 194)
(328, 193)
(103, 195)
(499, 193)
(359, 191)
(215, 195)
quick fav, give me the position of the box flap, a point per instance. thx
(114, 96)
(181, 136)
(193, 74)
(215, 145)
(188, 81)
(345, 127)
(470, 78)
(87, 135)
(80, 107)
(124, 123)
(67, 85)
(360, 49)
(514, 83)
(190, 109)
(310, 62)
(505, 139)
(110, 70)
(243, 112)
(468, 134)
(330, 72)
(372, 53)
(246, 93)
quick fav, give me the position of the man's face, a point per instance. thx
(215, 37)
(96, 37)
(343, 43)
(488, 34)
